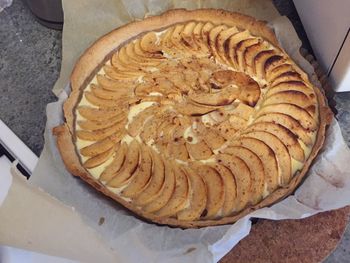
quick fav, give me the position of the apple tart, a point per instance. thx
(191, 118)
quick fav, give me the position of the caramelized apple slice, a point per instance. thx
(111, 84)
(94, 114)
(98, 125)
(149, 43)
(122, 176)
(199, 151)
(285, 135)
(281, 153)
(98, 135)
(98, 159)
(153, 189)
(215, 189)
(277, 71)
(256, 170)
(134, 127)
(113, 73)
(178, 150)
(262, 59)
(197, 37)
(116, 164)
(241, 50)
(179, 197)
(232, 46)
(97, 147)
(291, 97)
(222, 43)
(213, 34)
(250, 54)
(267, 157)
(301, 115)
(141, 176)
(286, 77)
(167, 190)
(224, 97)
(193, 109)
(230, 189)
(292, 85)
(197, 197)
(109, 95)
(242, 178)
(101, 103)
(187, 35)
(288, 122)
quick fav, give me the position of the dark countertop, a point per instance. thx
(30, 58)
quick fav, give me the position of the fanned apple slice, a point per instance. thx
(261, 59)
(97, 147)
(155, 56)
(179, 197)
(197, 37)
(250, 54)
(109, 95)
(150, 128)
(193, 109)
(98, 159)
(292, 85)
(98, 125)
(286, 77)
(230, 189)
(199, 151)
(197, 197)
(243, 111)
(213, 139)
(187, 35)
(116, 164)
(273, 62)
(134, 127)
(267, 157)
(94, 114)
(232, 46)
(153, 189)
(178, 43)
(213, 34)
(149, 43)
(285, 135)
(144, 62)
(241, 50)
(291, 97)
(205, 33)
(142, 175)
(242, 177)
(101, 103)
(111, 84)
(256, 170)
(215, 189)
(298, 113)
(130, 164)
(98, 135)
(237, 122)
(166, 191)
(224, 97)
(277, 71)
(178, 150)
(288, 122)
(222, 43)
(116, 74)
(226, 130)
(127, 61)
(281, 153)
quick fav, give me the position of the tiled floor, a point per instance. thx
(30, 57)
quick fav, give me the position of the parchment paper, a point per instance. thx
(326, 187)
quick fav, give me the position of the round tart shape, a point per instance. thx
(191, 118)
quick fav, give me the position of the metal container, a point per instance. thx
(48, 12)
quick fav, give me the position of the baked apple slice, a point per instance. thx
(180, 196)
(154, 187)
(199, 150)
(166, 191)
(256, 170)
(116, 164)
(97, 148)
(141, 176)
(197, 197)
(130, 164)
(285, 135)
(281, 153)
(111, 84)
(222, 44)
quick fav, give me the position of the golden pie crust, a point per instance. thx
(191, 118)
